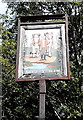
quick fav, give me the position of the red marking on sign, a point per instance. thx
(51, 66)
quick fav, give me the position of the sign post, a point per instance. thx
(42, 92)
(42, 52)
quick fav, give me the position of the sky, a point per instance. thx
(3, 7)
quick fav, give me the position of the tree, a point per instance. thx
(20, 99)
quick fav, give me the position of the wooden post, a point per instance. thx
(42, 91)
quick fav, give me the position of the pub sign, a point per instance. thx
(42, 49)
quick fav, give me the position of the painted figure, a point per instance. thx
(50, 45)
(43, 44)
(35, 45)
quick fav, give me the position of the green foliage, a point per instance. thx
(63, 98)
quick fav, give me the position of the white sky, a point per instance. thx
(3, 7)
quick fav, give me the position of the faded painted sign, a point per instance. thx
(42, 52)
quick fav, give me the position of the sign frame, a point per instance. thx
(33, 24)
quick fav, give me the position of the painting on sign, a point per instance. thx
(42, 52)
